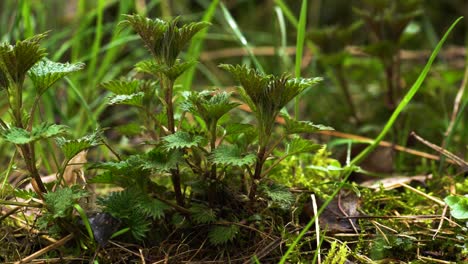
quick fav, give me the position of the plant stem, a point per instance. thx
(31, 166)
(168, 86)
(175, 177)
(258, 172)
(213, 147)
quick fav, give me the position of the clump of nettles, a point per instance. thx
(25, 130)
(201, 169)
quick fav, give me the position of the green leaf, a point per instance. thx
(279, 195)
(458, 206)
(293, 126)
(60, 203)
(106, 178)
(252, 81)
(150, 31)
(45, 73)
(299, 145)
(202, 214)
(71, 147)
(124, 206)
(161, 160)
(15, 61)
(231, 155)
(153, 207)
(219, 235)
(171, 72)
(181, 140)
(135, 99)
(266, 95)
(122, 87)
(209, 105)
(21, 136)
(165, 40)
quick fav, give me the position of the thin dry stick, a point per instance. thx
(346, 214)
(317, 227)
(451, 53)
(457, 160)
(39, 253)
(456, 107)
(442, 217)
(380, 231)
(143, 261)
(124, 248)
(437, 200)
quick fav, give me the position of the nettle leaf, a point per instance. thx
(253, 82)
(71, 147)
(60, 203)
(187, 31)
(458, 206)
(122, 87)
(16, 60)
(153, 207)
(231, 155)
(181, 140)
(279, 195)
(151, 31)
(176, 38)
(209, 105)
(202, 214)
(164, 39)
(293, 87)
(20, 136)
(293, 126)
(219, 235)
(239, 128)
(161, 160)
(45, 73)
(133, 217)
(106, 178)
(171, 72)
(135, 99)
(299, 145)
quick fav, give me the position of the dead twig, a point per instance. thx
(456, 107)
(457, 160)
(41, 252)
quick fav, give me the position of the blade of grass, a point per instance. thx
(113, 52)
(301, 28)
(235, 28)
(193, 52)
(26, 18)
(95, 49)
(85, 221)
(7, 174)
(406, 99)
(287, 12)
(286, 62)
(90, 116)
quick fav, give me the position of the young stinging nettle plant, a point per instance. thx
(27, 59)
(208, 160)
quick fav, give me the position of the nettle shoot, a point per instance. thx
(211, 161)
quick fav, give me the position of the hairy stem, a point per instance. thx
(28, 157)
(258, 172)
(213, 147)
(168, 87)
